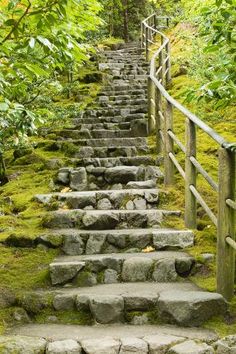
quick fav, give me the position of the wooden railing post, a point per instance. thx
(190, 176)
(151, 106)
(169, 146)
(168, 65)
(159, 108)
(147, 43)
(226, 224)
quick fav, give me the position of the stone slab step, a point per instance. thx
(141, 94)
(76, 242)
(87, 270)
(116, 161)
(106, 219)
(57, 332)
(93, 134)
(106, 126)
(130, 102)
(93, 118)
(119, 177)
(103, 199)
(112, 94)
(123, 111)
(137, 141)
(111, 152)
(136, 304)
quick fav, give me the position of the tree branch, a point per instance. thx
(17, 23)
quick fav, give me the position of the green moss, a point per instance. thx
(65, 317)
(224, 326)
(25, 269)
(85, 278)
(129, 316)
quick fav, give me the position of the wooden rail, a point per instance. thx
(161, 118)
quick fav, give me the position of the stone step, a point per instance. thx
(111, 152)
(124, 87)
(111, 142)
(106, 219)
(104, 102)
(124, 92)
(119, 66)
(136, 303)
(156, 336)
(88, 270)
(93, 134)
(116, 161)
(92, 117)
(103, 199)
(76, 242)
(81, 178)
(122, 111)
(118, 97)
(105, 126)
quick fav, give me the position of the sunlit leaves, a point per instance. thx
(38, 39)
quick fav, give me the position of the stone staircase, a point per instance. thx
(120, 269)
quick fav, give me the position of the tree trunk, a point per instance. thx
(126, 20)
(3, 177)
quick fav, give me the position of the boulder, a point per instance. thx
(95, 243)
(63, 302)
(104, 204)
(140, 204)
(191, 347)
(140, 302)
(136, 269)
(130, 345)
(110, 276)
(122, 174)
(78, 179)
(148, 184)
(107, 308)
(159, 344)
(67, 346)
(63, 272)
(190, 308)
(73, 245)
(101, 346)
(164, 271)
(172, 239)
(63, 175)
(22, 345)
(100, 221)
(184, 266)
(226, 345)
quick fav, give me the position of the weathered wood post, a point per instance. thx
(151, 103)
(146, 42)
(159, 108)
(190, 176)
(168, 65)
(226, 224)
(169, 145)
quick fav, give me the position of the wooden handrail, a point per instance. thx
(161, 116)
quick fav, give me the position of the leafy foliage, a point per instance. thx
(217, 26)
(38, 40)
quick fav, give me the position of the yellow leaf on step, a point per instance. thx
(66, 190)
(148, 249)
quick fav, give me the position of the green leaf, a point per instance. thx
(4, 106)
(32, 42)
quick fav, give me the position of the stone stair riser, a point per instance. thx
(81, 178)
(74, 243)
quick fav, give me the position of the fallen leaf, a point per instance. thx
(66, 190)
(148, 249)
